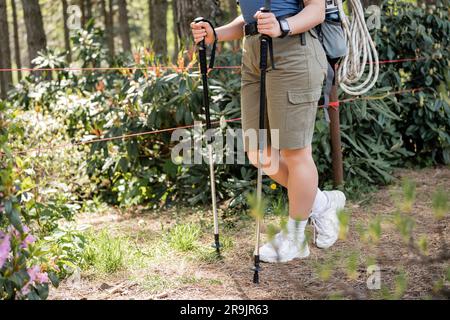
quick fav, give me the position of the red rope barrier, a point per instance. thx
(138, 134)
(125, 136)
(149, 68)
(175, 68)
(403, 60)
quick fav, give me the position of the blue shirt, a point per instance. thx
(279, 8)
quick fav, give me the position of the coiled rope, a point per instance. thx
(362, 52)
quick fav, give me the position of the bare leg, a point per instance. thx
(302, 181)
(302, 165)
(270, 154)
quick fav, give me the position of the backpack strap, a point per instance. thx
(327, 91)
(329, 82)
(302, 35)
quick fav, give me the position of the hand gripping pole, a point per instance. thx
(204, 72)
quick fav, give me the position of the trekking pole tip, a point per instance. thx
(256, 277)
(217, 245)
(256, 270)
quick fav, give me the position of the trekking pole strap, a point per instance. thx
(203, 45)
(214, 46)
(268, 40)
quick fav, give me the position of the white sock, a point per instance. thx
(296, 227)
(320, 202)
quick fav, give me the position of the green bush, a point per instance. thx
(24, 272)
(424, 116)
(378, 134)
(36, 249)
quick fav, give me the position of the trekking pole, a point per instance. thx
(204, 72)
(266, 45)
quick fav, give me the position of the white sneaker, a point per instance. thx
(283, 248)
(326, 223)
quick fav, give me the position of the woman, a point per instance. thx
(293, 91)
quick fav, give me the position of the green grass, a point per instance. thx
(440, 203)
(184, 237)
(155, 283)
(206, 253)
(105, 253)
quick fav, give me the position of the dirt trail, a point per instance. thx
(176, 277)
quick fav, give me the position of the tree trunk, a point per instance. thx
(5, 51)
(158, 26)
(108, 16)
(16, 39)
(2, 84)
(233, 9)
(83, 13)
(232, 6)
(124, 26)
(66, 32)
(88, 10)
(36, 38)
(188, 10)
(367, 3)
(176, 45)
(111, 27)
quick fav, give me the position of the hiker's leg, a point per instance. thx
(302, 187)
(302, 181)
(280, 176)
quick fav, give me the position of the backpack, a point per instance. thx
(331, 33)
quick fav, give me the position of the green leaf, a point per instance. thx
(54, 279)
(13, 215)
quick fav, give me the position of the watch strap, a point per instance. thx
(284, 32)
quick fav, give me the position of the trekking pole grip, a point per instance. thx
(202, 50)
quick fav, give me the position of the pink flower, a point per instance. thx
(25, 290)
(33, 272)
(13, 232)
(27, 241)
(37, 276)
(5, 248)
(42, 278)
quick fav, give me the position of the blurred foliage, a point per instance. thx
(45, 179)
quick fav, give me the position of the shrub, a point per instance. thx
(22, 274)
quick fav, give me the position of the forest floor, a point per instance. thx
(154, 269)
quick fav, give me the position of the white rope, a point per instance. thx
(362, 52)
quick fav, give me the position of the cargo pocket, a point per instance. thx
(301, 115)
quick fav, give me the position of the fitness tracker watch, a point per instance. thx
(285, 29)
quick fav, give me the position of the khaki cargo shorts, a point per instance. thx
(293, 89)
